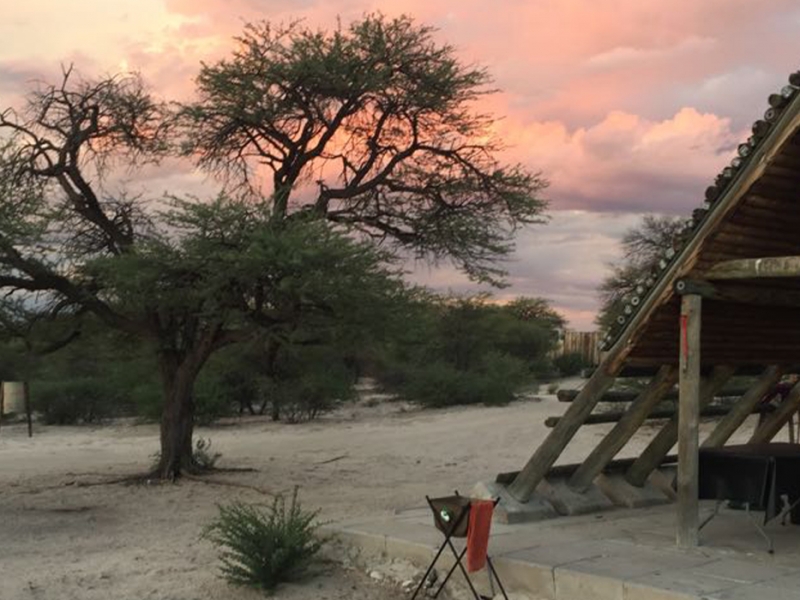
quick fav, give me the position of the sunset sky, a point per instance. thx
(626, 106)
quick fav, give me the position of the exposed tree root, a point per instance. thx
(222, 482)
(330, 460)
(232, 470)
(195, 473)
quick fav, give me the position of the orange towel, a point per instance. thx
(480, 522)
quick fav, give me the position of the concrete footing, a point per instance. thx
(568, 502)
(622, 493)
(510, 510)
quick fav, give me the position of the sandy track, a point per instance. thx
(61, 540)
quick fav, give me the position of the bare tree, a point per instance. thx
(642, 248)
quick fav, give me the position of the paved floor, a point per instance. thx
(616, 555)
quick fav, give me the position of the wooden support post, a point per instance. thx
(28, 411)
(628, 424)
(688, 422)
(775, 422)
(537, 466)
(2, 401)
(743, 408)
(654, 454)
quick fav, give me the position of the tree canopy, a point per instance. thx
(374, 127)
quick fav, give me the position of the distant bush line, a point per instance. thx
(441, 351)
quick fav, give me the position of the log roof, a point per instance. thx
(752, 210)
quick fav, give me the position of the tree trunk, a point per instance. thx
(273, 347)
(179, 370)
(177, 419)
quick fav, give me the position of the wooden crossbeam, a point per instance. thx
(628, 424)
(615, 416)
(752, 268)
(743, 408)
(627, 396)
(775, 422)
(665, 439)
(548, 452)
(739, 293)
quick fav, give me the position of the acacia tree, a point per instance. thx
(374, 127)
(371, 129)
(642, 248)
(189, 277)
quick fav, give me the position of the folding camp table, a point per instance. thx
(758, 476)
(451, 517)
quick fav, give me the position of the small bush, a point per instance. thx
(73, 401)
(203, 456)
(439, 384)
(306, 394)
(262, 547)
(211, 403)
(570, 364)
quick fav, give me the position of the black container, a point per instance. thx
(450, 510)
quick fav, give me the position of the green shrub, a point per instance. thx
(468, 350)
(147, 398)
(203, 456)
(570, 364)
(262, 547)
(211, 402)
(439, 384)
(308, 382)
(84, 400)
(229, 381)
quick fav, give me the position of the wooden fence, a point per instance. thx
(584, 343)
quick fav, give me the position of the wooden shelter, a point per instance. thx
(726, 300)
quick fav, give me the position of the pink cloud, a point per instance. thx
(628, 106)
(626, 162)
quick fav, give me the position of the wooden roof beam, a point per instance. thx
(756, 268)
(762, 296)
(775, 422)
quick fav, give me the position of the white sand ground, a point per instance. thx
(61, 539)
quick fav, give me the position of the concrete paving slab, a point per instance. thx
(519, 576)
(606, 576)
(572, 585)
(635, 591)
(757, 591)
(565, 553)
(681, 584)
(621, 554)
(642, 562)
(791, 582)
(737, 570)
